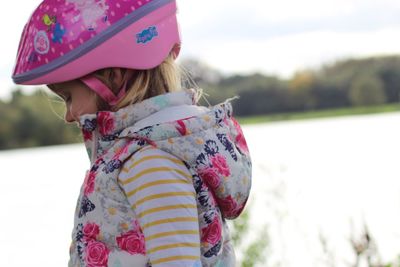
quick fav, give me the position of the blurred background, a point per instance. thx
(319, 87)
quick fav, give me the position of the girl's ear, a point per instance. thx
(119, 76)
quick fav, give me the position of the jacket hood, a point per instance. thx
(207, 139)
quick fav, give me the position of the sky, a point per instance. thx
(270, 37)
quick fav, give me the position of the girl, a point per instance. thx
(165, 173)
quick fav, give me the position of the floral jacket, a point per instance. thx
(211, 145)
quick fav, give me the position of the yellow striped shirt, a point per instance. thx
(160, 191)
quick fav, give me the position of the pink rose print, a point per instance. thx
(181, 127)
(210, 176)
(106, 122)
(90, 231)
(121, 152)
(96, 254)
(229, 207)
(132, 242)
(89, 183)
(212, 233)
(219, 162)
(240, 140)
(87, 135)
(99, 161)
(241, 143)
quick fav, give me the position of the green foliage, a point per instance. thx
(253, 253)
(241, 227)
(347, 83)
(367, 90)
(365, 251)
(31, 120)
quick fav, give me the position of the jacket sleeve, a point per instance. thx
(159, 189)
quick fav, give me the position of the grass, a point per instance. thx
(319, 114)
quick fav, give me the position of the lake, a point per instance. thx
(311, 178)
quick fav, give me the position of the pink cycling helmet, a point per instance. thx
(68, 39)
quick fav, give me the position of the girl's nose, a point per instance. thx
(68, 116)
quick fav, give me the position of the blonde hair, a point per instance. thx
(142, 84)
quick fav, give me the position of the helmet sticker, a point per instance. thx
(90, 11)
(146, 35)
(58, 33)
(33, 57)
(49, 20)
(41, 42)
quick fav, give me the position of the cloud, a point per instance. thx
(280, 37)
(278, 11)
(265, 20)
(286, 54)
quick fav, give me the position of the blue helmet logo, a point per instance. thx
(146, 35)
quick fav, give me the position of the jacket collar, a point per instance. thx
(103, 127)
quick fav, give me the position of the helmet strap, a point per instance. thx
(102, 90)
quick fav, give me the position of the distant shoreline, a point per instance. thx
(251, 120)
(328, 113)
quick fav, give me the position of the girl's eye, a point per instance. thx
(66, 98)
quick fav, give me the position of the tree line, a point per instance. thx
(347, 83)
(29, 120)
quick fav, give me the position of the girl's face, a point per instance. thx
(79, 100)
